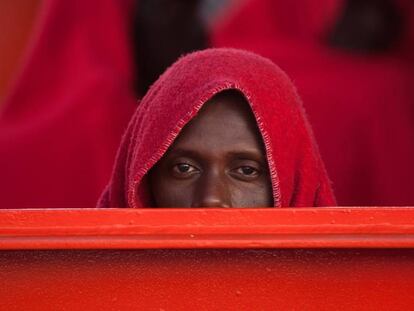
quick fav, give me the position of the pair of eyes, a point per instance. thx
(243, 172)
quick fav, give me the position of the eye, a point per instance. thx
(184, 170)
(184, 167)
(246, 172)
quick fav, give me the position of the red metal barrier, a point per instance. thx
(218, 259)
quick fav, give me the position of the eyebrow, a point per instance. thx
(249, 154)
(254, 154)
(184, 152)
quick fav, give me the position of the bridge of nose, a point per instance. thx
(212, 189)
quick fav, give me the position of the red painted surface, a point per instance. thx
(286, 259)
(206, 228)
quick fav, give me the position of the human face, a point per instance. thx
(217, 160)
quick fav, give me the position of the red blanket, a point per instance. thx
(297, 173)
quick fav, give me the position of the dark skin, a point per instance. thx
(218, 160)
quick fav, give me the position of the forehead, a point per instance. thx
(225, 123)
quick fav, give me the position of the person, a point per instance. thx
(64, 112)
(220, 128)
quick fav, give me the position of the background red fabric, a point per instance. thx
(62, 120)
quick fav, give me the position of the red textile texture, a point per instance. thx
(64, 115)
(361, 106)
(297, 172)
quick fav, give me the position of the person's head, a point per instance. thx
(217, 160)
(220, 128)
